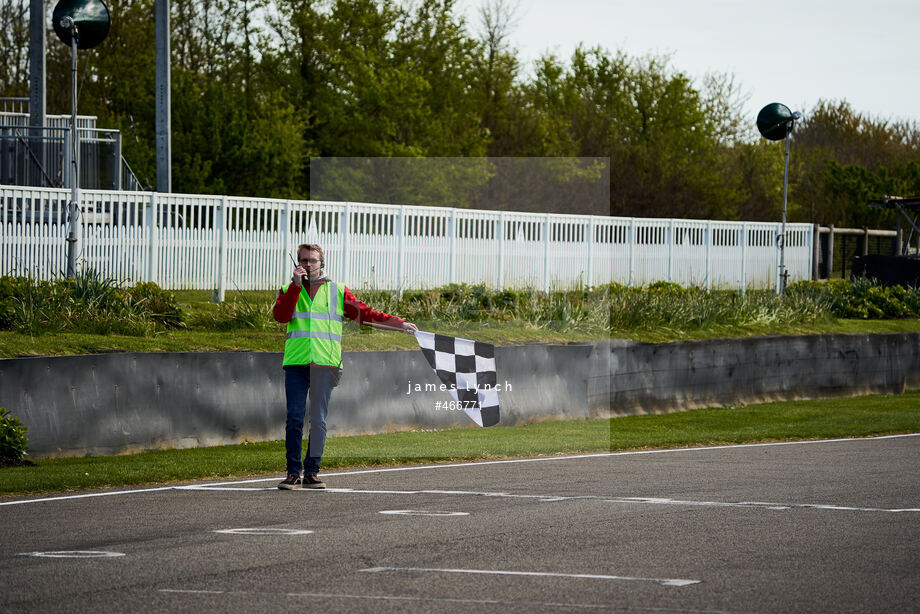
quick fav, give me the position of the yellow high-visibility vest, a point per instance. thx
(314, 334)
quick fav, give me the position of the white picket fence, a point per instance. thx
(221, 242)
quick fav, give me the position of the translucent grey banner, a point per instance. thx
(541, 185)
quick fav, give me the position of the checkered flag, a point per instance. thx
(468, 369)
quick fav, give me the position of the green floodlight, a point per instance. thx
(88, 18)
(80, 24)
(775, 123)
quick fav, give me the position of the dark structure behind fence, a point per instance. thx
(835, 248)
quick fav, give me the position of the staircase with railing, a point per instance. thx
(40, 157)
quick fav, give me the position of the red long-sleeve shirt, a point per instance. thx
(355, 310)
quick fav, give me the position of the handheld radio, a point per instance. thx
(303, 280)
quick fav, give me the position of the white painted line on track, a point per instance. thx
(421, 513)
(217, 485)
(580, 456)
(662, 581)
(264, 531)
(190, 591)
(499, 602)
(108, 493)
(762, 504)
(780, 506)
(74, 554)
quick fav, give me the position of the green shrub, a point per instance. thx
(613, 288)
(91, 290)
(454, 292)
(87, 303)
(13, 440)
(93, 304)
(12, 289)
(155, 304)
(417, 305)
(667, 287)
(26, 305)
(242, 314)
(860, 298)
(909, 296)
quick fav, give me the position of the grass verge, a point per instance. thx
(791, 420)
(15, 345)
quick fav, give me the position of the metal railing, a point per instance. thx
(32, 158)
(17, 119)
(218, 242)
(42, 157)
(14, 105)
(129, 180)
(100, 159)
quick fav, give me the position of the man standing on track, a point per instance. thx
(313, 355)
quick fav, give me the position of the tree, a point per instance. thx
(666, 158)
(496, 71)
(14, 48)
(847, 158)
(261, 87)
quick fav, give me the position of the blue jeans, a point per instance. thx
(297, 382)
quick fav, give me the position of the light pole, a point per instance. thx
(775, 123)
(80, 24)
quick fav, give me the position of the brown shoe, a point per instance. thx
(311, 481)
(291, 482)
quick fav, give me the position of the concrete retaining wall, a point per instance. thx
(123, 402)
(646, 377)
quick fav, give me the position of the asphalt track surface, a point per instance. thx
(830, 526)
